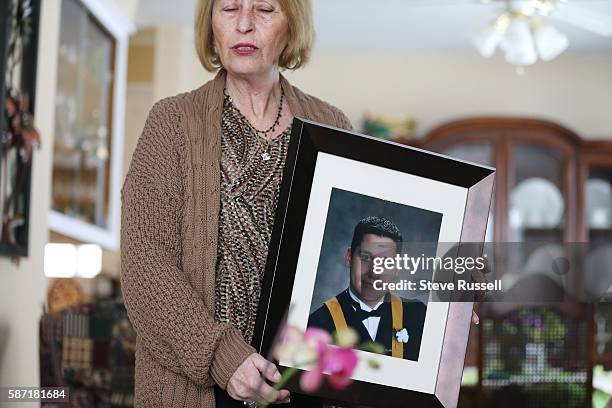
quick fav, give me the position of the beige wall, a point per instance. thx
(129, 8)
(22, 289)
(176, 68)
(574, 90)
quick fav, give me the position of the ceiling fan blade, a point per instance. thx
(584, 18)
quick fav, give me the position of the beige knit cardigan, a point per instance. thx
(169, 226)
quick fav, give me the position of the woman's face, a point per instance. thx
(249, 35)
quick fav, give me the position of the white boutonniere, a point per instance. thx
(402, 336)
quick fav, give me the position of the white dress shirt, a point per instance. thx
(371, 323)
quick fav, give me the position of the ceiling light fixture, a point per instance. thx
(520, 32)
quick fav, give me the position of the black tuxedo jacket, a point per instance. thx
(413, 316)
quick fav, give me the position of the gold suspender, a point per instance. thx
(397, 310)
(336, 312)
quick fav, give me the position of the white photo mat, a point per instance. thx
(337, 172)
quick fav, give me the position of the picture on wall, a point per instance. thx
(19, 137)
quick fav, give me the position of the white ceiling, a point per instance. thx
(397, 25)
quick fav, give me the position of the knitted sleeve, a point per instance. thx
(172, 321)
(341, 120)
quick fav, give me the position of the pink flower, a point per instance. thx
(314, 348)
(320, 337)
(338, 362)
(302, 348)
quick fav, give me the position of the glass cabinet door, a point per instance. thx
(598, 262)
(537, 203)
(539, 348)
(598, 205)
(537, 208)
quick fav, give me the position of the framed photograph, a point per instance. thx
(345, 199)
(89, 122)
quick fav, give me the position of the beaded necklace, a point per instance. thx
(262, 134)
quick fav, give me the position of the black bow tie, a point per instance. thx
(361, 314)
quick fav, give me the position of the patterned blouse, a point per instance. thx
(249, 193)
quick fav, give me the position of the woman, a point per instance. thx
(198, 205)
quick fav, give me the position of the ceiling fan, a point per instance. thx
(524, 29)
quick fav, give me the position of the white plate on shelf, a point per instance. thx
(599, 203)
(536, 203)
(598, 271)
(542, 261)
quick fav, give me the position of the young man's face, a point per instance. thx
(361, 264)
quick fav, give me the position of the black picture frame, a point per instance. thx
(6, 13)
(308, 139)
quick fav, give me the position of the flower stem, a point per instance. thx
(289, 372)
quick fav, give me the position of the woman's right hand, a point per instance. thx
(248, 382)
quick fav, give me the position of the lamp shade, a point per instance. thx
(550, 42)
(487, 40)
(517, 43)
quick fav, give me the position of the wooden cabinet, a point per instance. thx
(552, 188)
(521, 150)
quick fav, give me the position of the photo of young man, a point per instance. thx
(375, 313)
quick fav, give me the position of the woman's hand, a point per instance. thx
(478, 275)
(248, 384)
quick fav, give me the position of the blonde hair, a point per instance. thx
(295, 54)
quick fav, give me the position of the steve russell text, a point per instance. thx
(425, 284)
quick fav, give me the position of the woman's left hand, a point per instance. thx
(475, 318)
(478, 275)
